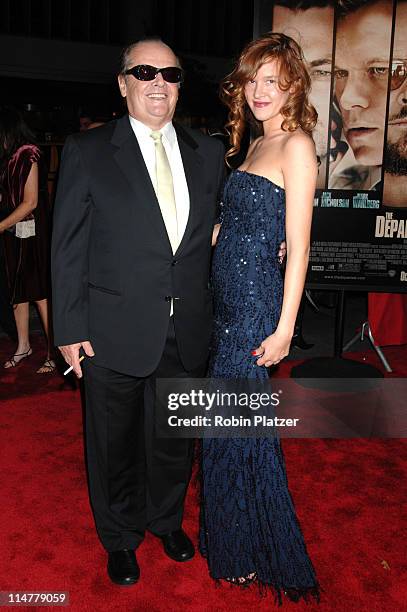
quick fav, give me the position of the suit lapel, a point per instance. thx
(130, 160)
(192, 162)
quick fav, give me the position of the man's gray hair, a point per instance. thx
(127, 51)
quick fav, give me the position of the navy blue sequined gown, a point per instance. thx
(248, 522)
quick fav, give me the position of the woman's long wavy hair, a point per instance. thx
(14, 133)
(297, 112)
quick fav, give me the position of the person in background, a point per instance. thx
(85, 121)
(96, 124)
(88, 121)
(25, 231)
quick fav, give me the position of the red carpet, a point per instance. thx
(348, 493)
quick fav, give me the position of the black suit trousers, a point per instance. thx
(137, 481)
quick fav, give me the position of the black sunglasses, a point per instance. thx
(143, 72)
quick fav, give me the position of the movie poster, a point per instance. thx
(356, 52)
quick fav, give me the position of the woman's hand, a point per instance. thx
(29, 202)
(273, 349)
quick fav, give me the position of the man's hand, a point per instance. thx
(282, 252)
(70, 353)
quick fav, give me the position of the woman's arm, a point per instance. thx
(215, 233)
(30, 200)
(299, 166)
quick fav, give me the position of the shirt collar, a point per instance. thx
(142, 131)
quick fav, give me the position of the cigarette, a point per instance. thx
(71, 368)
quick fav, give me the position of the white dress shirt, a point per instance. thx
(170, 143)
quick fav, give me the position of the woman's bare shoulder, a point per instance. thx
(298, 144)
(298, 138)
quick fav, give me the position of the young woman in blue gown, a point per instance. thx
(249, 529)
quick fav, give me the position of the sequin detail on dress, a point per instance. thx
(248, 521)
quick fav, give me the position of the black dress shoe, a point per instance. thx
(178, 546)
(122, 567)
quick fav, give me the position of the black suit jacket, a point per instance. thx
(112, 266)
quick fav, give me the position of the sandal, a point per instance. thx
(47, 367)
(13, 363)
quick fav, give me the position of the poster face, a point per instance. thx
(356, 54)
(395, 152)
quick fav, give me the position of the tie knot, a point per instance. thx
(156, 136)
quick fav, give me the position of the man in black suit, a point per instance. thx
(133, 222)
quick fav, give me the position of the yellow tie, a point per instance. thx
(165, 190)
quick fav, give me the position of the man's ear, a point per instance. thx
(122, 85)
